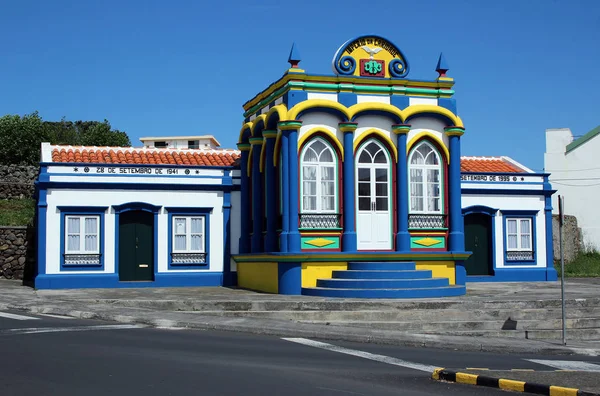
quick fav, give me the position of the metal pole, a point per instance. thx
(562, 271)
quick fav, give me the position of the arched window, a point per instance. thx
(425, 168)
(318, 177)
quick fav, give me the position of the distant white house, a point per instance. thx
(575, 174)
(186, 142)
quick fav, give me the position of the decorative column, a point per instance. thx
(349, 196)
(246, 207)
(290, 128)
(271, 203)
(402, 198)
(285, 193)
(257, 196)
(456, 239)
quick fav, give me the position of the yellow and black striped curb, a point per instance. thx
(507, 384)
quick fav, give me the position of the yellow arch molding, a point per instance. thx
(244, 127)
(380, 135)
(256, 122)
(417, 109)
(428, 135)
(356, 109)
(310, 103)
(280, 109)
(249, 164)
(327, 132)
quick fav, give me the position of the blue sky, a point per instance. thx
(186, 67)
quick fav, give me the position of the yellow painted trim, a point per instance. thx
(310, 103)
(258, 276)
(429, 135)
(280, 109)
(330, 134)
(426, 241)
(517, 386)
(423, 108)
(436, 373)
(358, 108)
(244, 127)
(439, 269)
(256, 122)
(425, 233)
(313, 271)
(561, 391)
(380, 135)
(311, 233)
(465, 378)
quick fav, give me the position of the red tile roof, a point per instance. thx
(489, 164)
(128, 155)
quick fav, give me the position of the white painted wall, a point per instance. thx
(322, 95)
(513, 202)
(379, 123)
(427, 124)
(576, 177)
(373, 98)
(84, 197)
(325, 121)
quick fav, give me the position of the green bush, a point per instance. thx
(585, 265)
(16, 212)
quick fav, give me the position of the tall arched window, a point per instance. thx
(318, 177)
(425, 180)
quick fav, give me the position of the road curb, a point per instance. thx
(441, 374)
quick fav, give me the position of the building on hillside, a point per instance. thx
(181, 142)
(350, 185)
(576, 176)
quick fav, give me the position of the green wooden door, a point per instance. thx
(478, 241)
(136, 246)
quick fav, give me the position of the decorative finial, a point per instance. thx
(442, 66)
(294, 58)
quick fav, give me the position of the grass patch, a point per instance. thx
(586, 265)
(16, 212)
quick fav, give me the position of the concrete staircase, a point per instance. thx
(383, 280)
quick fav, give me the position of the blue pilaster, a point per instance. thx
(456, 238)
(227, 276)
(402, 236)
(245, 201)
(349, 243)
(291, 128)
(42, 209)
(285, 193)
(257, 197)
(271, 192)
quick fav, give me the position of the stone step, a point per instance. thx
(445, 326)
(550, 334)
(382, 283)
(388, 266)
(411, 315)
(429, 292)
(381, 274)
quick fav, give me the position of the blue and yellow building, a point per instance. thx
(352, 182)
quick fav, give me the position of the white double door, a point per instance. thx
(373, 221)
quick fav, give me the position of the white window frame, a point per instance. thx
(425, 181)
(318, 178)
(82, 235)
(188, 234)
(519, 234)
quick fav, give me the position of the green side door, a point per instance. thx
(136, 246)
(478, 240)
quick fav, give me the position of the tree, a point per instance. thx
(21, 137)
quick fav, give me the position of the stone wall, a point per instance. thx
(571, 236)
(17, 251)
(16, 181)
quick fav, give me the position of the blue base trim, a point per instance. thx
(518, 275)
(387, 293)
(290, 278)
(382, 283)
(381, 274)
(460, 273)
(403, 241)
(349, 242)
(86, 281)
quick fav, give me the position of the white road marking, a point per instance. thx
(17, 317)
(38, 330)
(568, 365)
(57, 316)
(364, 355)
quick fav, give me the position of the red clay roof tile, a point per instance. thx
(488, 165)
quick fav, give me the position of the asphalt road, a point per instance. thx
(44, 355)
